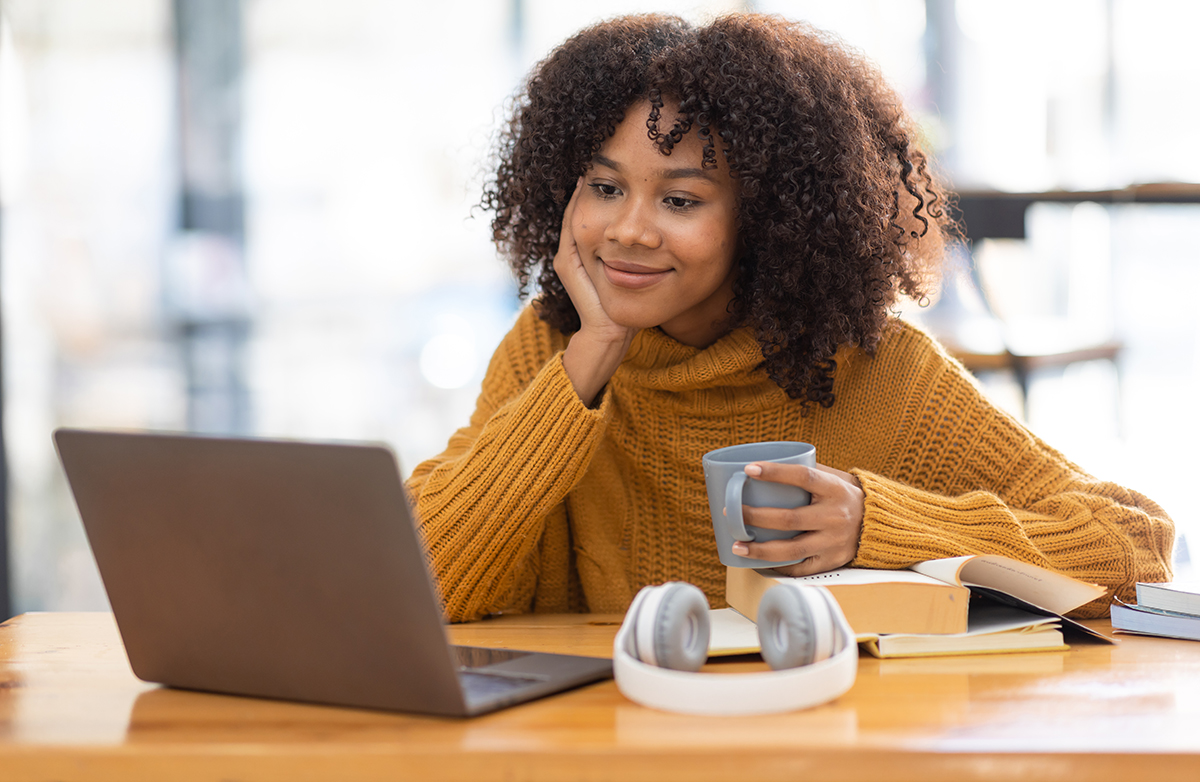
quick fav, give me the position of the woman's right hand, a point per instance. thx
(597, 349)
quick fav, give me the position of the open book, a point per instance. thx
(931, 597)
(992, 628)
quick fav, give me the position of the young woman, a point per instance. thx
(718, 220)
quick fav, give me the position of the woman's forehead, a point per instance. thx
(684, 157)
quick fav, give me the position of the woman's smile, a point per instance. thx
(625, 274)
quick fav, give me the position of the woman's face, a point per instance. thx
(657, 234)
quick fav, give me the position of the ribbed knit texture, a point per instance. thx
(541, 504)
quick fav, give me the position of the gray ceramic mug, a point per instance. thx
(729, 488)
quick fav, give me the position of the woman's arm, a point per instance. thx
(964, 477)
(1089, 529)
(944, 473)
(483, 503)
(600, 345)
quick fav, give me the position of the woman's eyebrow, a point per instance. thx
(685, 173)
(666, 173)
(600, 160)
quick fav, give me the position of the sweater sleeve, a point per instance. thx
(483, 503)
(966, 478)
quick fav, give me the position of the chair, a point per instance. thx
(970, 326)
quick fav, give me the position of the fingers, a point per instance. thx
(818, 551)
(829, 526)
(569, 212)
(806, 518)
(835, 499)
(815, 480)
(568, 253)
(812, 566)
(569, 266)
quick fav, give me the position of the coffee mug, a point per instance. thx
(729, 487)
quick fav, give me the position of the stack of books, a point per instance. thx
(961, 605)
(1171, 610)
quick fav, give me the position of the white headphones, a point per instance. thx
(663, 642)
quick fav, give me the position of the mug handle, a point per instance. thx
(733, 508)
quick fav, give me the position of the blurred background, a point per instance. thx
(256, 217)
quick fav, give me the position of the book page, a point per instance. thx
(731, 633)
(1043, 588)
(943, 569)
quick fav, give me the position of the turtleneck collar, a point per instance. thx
(655, 360)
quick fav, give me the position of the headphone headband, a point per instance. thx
(737, 693)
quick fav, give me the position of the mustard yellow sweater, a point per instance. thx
(541, 504)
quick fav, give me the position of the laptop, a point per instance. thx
(283, 569)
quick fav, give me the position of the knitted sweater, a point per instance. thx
(543, 504)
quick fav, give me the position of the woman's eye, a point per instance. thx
(679, 202)
(605, 190)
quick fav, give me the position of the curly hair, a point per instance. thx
(838, 210)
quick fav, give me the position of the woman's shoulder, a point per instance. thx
(901, 333)
(908, 378)
(905, 355)
(900, 340)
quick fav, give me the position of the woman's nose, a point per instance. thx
(633, 224)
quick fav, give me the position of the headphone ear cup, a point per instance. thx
(672, 627)
(794, 626)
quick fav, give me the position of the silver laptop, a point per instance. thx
(284, 570)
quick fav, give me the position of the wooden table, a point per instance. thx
(70, 709)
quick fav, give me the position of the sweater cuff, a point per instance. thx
(548, 426)
(559, 393)
(896, 529)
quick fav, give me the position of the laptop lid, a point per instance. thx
(280, 569)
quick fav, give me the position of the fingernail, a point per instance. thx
(753, 470)
(741, 549)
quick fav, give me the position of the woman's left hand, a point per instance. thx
(829, 526)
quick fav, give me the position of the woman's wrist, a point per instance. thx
(591, 360)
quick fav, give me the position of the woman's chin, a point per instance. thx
(636, 322)
(633, 317)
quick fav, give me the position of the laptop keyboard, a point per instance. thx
(478, 686)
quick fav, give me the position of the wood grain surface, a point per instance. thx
(70, 709)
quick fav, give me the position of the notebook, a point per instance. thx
(286, 570)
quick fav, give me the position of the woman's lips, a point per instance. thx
(624, 274)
